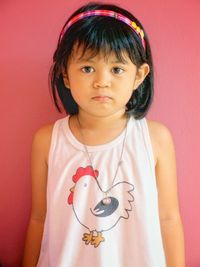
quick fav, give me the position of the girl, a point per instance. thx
(104, 177)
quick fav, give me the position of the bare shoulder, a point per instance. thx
(42, 140)
(44, 132)
(160, 136)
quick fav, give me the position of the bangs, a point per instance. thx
(100, 35)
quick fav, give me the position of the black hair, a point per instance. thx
(107, 35)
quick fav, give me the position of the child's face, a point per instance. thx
(102, 86)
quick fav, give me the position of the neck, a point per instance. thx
(95, 123)
(98, 130)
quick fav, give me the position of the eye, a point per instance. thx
(117, 70)
(87, 69)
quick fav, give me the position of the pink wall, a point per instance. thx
(29, 31)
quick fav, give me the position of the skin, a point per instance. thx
(106, 86)
(102, 87)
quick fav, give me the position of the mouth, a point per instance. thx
(102, 98)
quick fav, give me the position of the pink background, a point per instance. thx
(29, 31)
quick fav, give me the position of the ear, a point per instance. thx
(65, 78)
(141, 74)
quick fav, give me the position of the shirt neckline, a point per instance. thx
(80, 146)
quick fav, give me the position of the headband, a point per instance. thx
(106, 13)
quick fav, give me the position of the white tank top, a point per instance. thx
(82, 231)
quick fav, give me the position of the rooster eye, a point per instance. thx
(85, 184)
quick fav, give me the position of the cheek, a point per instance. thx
(127, 88)
(128, 96)
(79, 95)
(78, 82)
(76, 93)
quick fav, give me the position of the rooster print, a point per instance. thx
(90, 208)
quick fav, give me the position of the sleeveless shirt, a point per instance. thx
(82, 231)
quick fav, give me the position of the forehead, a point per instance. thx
(80, 54)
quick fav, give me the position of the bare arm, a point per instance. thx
(40, 148)
(170, 219)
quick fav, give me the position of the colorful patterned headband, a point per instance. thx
(106, 13)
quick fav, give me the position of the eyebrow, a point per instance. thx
(92, 61)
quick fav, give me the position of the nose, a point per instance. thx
(102, 80)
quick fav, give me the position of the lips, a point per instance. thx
(102, 98)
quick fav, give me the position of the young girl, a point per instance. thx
(104, 177)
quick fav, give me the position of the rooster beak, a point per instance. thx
(72, 189)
